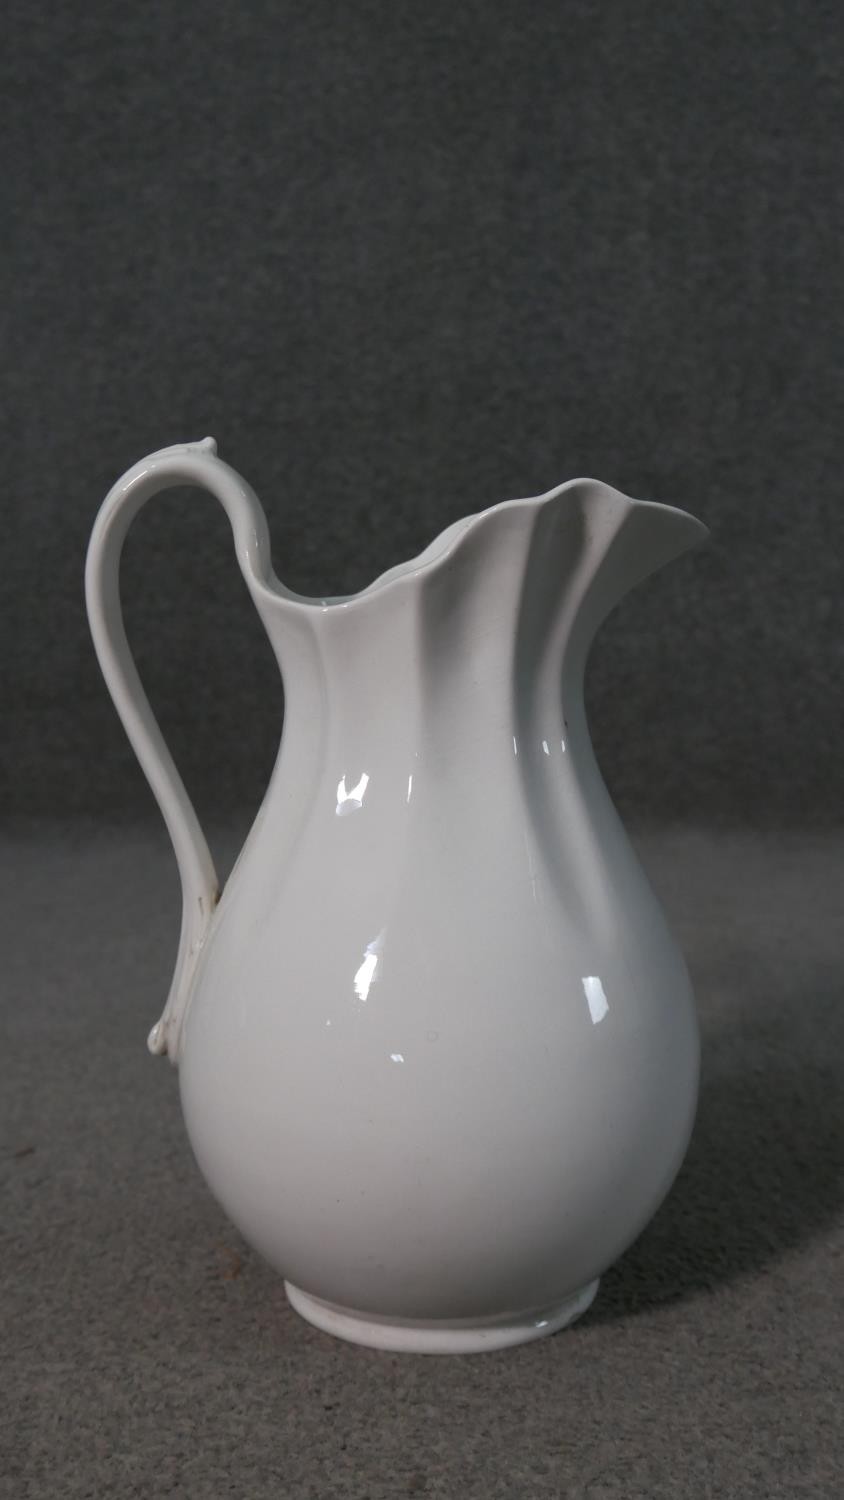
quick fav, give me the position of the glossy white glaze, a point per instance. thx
(437, 1048)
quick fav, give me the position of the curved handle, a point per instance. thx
(194, 464)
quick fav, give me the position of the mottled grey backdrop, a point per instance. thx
(403, 262)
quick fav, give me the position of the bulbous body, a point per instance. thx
(437, 1049)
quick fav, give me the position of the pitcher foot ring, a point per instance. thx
(411, 1336)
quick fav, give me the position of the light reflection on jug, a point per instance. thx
(595, 998)
(350, 801)
(365, 975)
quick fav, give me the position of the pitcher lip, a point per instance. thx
(448, 542)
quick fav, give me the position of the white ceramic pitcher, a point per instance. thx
(437, 1049)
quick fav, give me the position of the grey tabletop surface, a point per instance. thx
(146, 1350)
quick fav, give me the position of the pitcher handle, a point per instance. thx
(197, 465)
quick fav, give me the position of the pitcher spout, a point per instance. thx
(657, 534)
(591, 545)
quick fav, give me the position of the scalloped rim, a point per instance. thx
(453, 537)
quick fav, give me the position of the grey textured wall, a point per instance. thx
(403, 262)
